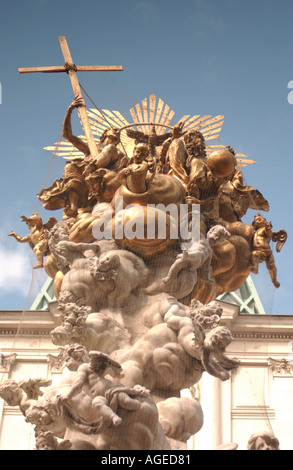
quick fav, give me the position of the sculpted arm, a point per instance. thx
(268, 230)
(211, 366)
(105, 157)
(174, 322)
(172, 314)
(67, 130)
(19, 238)
(73, 246)
(80, 381)
(214, 359)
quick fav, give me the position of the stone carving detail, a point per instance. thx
(280, 366)
(6, 362)
(56, 361)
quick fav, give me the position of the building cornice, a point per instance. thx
(26, 323)
(242, 326)
(256, 327)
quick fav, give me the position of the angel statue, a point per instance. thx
(38, 236)
(261, 250)
(24, 393)
(106, 396)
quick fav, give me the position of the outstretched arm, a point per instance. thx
(79, 247)
(81, 379)
(268, 230)
(211, 366)
(19, 238)
(67, 130)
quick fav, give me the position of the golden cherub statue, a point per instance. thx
(261, 250)
(38, 236)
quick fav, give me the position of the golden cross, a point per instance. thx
(71, 69)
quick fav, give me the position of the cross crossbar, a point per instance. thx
(79, 68)
(70, 68)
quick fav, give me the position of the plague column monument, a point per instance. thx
(151, 233)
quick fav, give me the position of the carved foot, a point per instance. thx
(224, 376)
(254, 269)
(116, 420)
(38, 266)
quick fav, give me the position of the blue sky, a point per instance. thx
(200, 56)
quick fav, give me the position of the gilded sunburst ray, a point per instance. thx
(150, 112)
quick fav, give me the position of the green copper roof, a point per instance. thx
(45, 296)
(246, 297)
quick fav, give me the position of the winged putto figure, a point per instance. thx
(261, 250)
(38, 236)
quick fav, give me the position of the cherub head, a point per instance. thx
(75, 355)
(259, 221)
(40, 415)
(195, 143)
(73, 313)
(110, 136)
(46, 441)
(61, 334)
(58, 233)
(208, 316)
(140, 153)
(109, 261)
(34, 221)
(263, 440)
(217, 234)
(218, 339)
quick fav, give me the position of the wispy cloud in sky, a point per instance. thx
(15, 264)
(15, 270)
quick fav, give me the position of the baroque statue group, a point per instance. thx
(138, 319)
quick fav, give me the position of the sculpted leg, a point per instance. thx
(167, 365)
(180, 263)
(125, 401)
(133, 374)
(270, 263)
(256, 259)
(100, 405)
(73, 199)
(39, 252)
